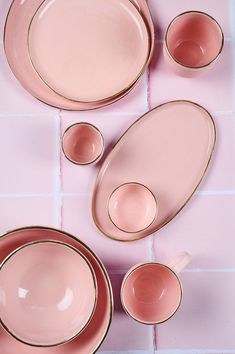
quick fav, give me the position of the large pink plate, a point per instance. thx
(16, 49)
(91, 338)
(88, 51)
(168, 150)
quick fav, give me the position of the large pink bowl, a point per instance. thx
(47, 293)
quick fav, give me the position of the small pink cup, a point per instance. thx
(151, 293)
(83, 144)
(193, 41)
(132, 207)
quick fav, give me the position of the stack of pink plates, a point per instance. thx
(79, 55)
(55, 294)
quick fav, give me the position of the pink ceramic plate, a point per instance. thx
(50, 293)
(93, 335)
(88, 51)
(16, 48)
(168, 150)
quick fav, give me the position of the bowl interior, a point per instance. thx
(151, 293)
(132, 207)
(83, 143)
(48, 293)
(194, 39)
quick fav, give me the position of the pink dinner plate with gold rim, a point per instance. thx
(167, 150)
(93, 335)
(88, 51)
(16, 49)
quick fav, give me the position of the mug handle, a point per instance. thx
(180, 262)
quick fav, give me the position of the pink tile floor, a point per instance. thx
(39, 186)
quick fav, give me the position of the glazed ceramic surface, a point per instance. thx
(168, 150)
(132, 207)
(48, 293)
(193, 41)
(16, 49)
(83, 144)
(88, 51)
(151, 293)
(93, 335)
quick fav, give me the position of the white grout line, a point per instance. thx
(209, 270)
(25, 195)
(222, 113)
(38, 115)
(100, 113)
(215, 192)
(152, 339)
(232, 14)
(86, 194)
(57, 191)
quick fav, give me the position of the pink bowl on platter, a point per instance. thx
(132, 207)
(48, 293)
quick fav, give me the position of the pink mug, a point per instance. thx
(193, 42)
(151, 293)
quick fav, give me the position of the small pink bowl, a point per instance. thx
(83, 144)
(193, 41)
(48, 293)
(151, 293)
(132, 207)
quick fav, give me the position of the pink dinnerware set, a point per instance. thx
(78, 55)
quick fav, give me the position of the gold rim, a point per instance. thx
(106, 98)
(171, 217)
(29, 244)
(188, 66)
(87, 163)
(139, 184)
(105, 104)
(129, 273)
(104, 271)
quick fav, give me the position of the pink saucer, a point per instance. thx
(49, 292)
(132, 207)
(93, 335)
(83, 144)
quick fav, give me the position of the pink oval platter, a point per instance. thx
(93, 335)
(167, 150)
(16, 48)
